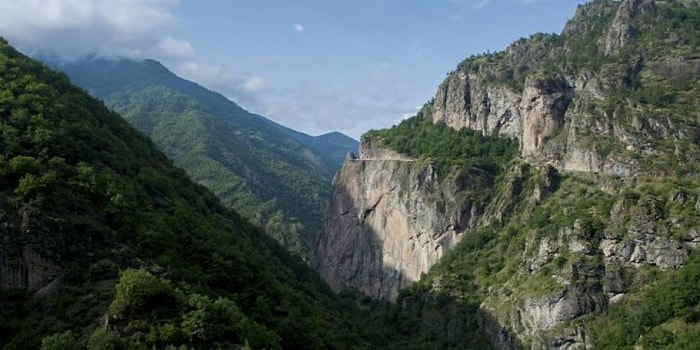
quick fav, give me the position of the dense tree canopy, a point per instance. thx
(101, 199)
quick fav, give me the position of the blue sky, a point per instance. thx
(315, 66)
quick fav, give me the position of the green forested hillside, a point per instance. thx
(105, 244)
(274, 176)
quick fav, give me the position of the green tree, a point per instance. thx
(141, 295)
(104, 339)
(60, 341)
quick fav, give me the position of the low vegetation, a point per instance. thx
(448, 149)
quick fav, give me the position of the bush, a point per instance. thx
(103, 339)
(60, 341)
(141, 295)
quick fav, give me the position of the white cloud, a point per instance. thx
(243, 89)
(332, 109)
(74, 28)
(145, 28)
(175, 48)
(253, 84)
(217, 77)
(384, 99)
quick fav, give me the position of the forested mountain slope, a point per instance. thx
(547, 197)
(566, 215)
(105, 244)
(276, 177)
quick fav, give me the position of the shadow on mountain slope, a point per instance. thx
(421, 314)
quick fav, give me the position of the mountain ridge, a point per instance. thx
(275, 176)
(104, 243)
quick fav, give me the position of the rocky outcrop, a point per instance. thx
(647, 235)
(388, 221)
(622, 31)
(544, 105)
(372, 149)
(544, 109)
(566, 118)
(564, 277)
(590, 121)
(471, 101)
(30, 254)
(545, 313)
(548, 116)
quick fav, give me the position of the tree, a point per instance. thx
(59, 341)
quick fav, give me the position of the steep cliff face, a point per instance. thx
(544, 104)
(30, 256)
(388, 221)
(576, 100)
(570, 273)
(602, 201)
(465, 100)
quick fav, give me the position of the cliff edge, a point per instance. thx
(598, 209)
(388, 221)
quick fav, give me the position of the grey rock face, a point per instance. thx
(30, 251)
(567, 119)
(647, 239)
(545, 108)
(468, 100)
(621, 31)
(566, 122)
(543, 314)
(388, 221)
(370, 149)
(544, 104)
(640, 234)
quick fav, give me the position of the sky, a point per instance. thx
(313, 65)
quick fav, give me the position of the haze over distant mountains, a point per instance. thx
(104, 243)
(277, 177)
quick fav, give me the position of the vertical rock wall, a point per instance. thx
(388, 221)
(29, 249)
